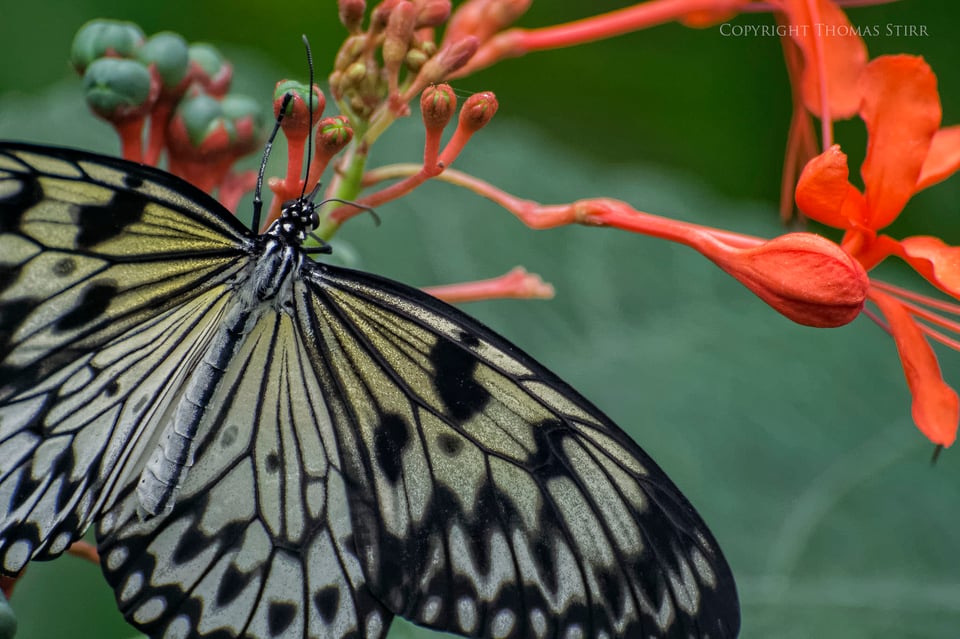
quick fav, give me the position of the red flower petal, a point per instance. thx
(943, 159)
(825, 194)
(830, 44)
(936, 408)
(901, 109)
(935, 260)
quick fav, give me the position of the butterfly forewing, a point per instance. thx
(361, 449)
(91, 248)
(109, 281)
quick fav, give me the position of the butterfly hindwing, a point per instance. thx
(490, 499)
(259, 542)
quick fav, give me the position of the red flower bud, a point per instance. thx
(433, 13)
(484, 18)
(333, 134)
(805, 277)
(438, 103)
(396, 41)
(448, 59)
(351, 14)
(297, 117)
(478, 110)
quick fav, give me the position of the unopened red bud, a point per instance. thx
(478, 110)
(245, 120)
(505, 12)
(448, 59)
(197, 127)
(433, 13)
(333, 134)
(297, 117)
(805, 277)
(396, 41)
(438, 103)
(351, 14)
(484, 18)
(381, 15)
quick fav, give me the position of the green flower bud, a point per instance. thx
(168, 51)
(117, 89)
(99, 38)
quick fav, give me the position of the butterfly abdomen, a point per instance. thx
(267, 284)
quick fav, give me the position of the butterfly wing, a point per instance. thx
(111, 277)
(259, 542)
(490, 499)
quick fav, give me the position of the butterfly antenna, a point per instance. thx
(258, 192)
(306, 45)
(368, 209)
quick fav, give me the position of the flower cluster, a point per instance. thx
(179, 92)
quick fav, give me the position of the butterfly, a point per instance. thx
(272, 446)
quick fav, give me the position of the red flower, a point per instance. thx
(907, 151)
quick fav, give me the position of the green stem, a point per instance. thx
(347, 187)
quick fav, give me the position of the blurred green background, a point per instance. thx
(795, 444)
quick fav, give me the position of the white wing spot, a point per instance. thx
(467, 614)
(179, 628)
(432, 609)
(574, 632)
(60, 543)
(665, 614)
(17, 555)
(151, 610)
(132, 586)
(374, 625)
(116, 558)
(702, 566)
(538, 622)
(502, 624)
(685, 587)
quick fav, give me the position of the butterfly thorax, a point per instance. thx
(273, 273)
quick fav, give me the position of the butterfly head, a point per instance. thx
(297, 219)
